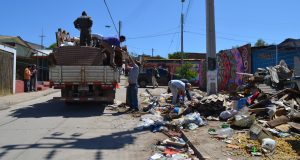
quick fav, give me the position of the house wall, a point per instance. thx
(7, 70)
(229, 62)
(266, 57)
(297, 65)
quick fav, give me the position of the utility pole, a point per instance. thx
(212, 79)
(152, 52)
(42, 39)
(182, 21)
(42, 47)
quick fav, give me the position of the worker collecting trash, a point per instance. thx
(178, 87)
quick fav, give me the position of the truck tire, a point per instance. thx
(142, 84)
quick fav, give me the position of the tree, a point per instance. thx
(260, 43)
(52, 46)
(176, 55)
(186, 71)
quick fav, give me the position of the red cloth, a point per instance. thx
(251, 99)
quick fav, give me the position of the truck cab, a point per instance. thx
(145, 77)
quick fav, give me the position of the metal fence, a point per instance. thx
(6, 73)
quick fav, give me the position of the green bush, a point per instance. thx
(186, 71)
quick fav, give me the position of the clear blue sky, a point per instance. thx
(156, 23)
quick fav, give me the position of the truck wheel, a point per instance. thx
(143, 84)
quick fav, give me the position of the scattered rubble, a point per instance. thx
(260, 119)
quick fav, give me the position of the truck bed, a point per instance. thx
(83, 74)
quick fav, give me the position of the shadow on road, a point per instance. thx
(106, 142)
(53, 108)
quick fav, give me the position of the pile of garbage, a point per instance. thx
(164, 116)
(263, 116)
(172, 148)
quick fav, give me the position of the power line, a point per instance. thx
(151, 36)
(111, 16)
(158, 33)
(238, 35)
(141, 49)
(172, 40)
(187, 10)
(220, 37)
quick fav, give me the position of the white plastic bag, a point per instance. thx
(268, 144)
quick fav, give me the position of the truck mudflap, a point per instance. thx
(85, 99)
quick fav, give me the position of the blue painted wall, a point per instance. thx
(264, 57)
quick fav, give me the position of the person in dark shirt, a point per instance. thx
(112, 44)
(154, 77)
(33, 78)
(84, 24)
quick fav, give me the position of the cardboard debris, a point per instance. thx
(278, 121)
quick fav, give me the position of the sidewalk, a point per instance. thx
(7, 101)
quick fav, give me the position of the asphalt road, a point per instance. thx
(47, 129)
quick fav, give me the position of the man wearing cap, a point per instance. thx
(178, 87)
(84, 24)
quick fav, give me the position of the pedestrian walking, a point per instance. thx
(132, 89)
(33, 78)
(27, 75)
(177, 88)
(155, 76)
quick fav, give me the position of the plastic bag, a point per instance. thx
(227, 114)
(192, 126)
(268, 144)
(193, 118)
(226, 132)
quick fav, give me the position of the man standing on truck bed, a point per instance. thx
(132, 90)
(84, 24)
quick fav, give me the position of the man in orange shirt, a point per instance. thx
(27, 75)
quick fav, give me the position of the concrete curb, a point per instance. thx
(6, 104)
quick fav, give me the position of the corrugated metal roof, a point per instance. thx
(16, 39)
(43, 52)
